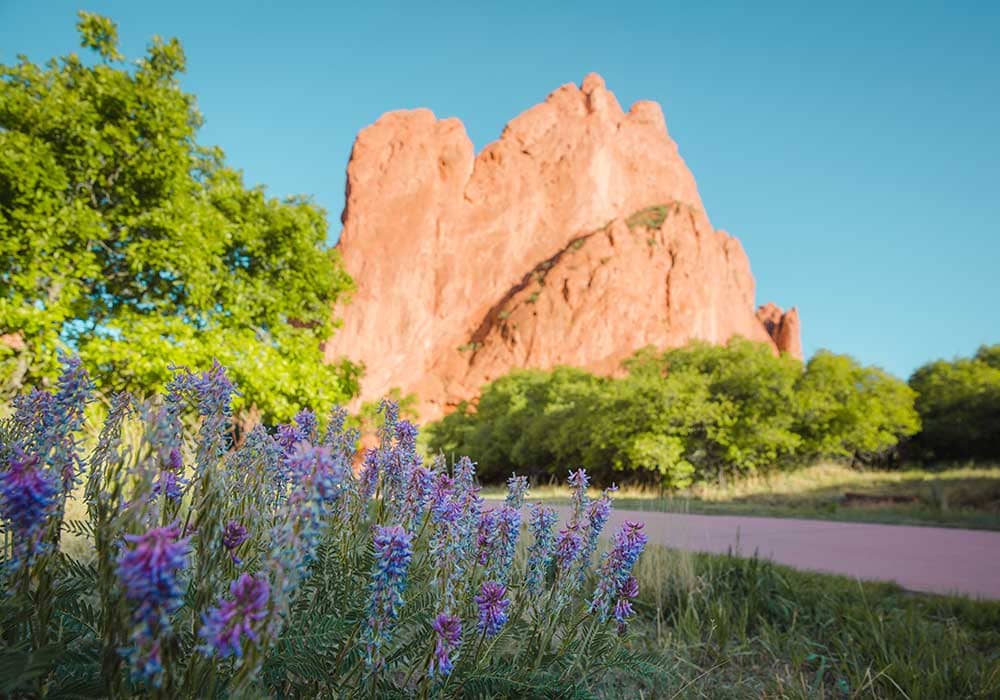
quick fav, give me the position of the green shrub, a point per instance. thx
(959, 405)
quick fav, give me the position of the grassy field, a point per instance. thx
(724, 627)
(955, 497)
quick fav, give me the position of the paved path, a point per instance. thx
(930, 559)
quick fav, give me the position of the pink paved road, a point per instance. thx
(930, 559)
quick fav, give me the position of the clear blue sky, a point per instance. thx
(853, 149)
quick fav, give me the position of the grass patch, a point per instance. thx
(966, 497)
(650, 217)
(729, 627)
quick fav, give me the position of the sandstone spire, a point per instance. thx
(576, 238)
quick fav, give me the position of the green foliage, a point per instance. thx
(852, 411)
(524, 421)
(959, 404)
(651, 217)
(125, 240)
(690, 414)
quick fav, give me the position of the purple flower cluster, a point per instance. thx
(623, 606)
(27, 497)
(448, 637)
(597, 513)
(317, 482)
(614, 588)
(486, 535)
(442, 505)
(493, 605)
(541, 522)
(504, 544)
(305, 420)
(568, 546)
(225, 626)
(213, 393)
(233, 536)
(393, 552)
(318, 469)
(419, 490)
(369, 474)
(170, 482)
(148, 573)
(48, 424)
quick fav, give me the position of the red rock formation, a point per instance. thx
(783, 327)
(576, 238)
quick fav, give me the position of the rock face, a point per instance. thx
(783, 327)
(576, 238)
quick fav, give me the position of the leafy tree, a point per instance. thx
(697, 413)
(525, 421)
(743, 421)
(123, 239)
(959, 404)
(846, 410)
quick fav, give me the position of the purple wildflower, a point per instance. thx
(441, 493)
(393, 552)
(306, 422)
(541, 521)
(508, 528)
(225, 625)
(418, 493)
(174, 460)
(288, 437)
(568, 546)
(170, 484)
(233, 536)
(148, 571)
(492, 608)
(598, 513)
(486, 535)
(616, 570)
(623, 606)
(27, 496)
(448, 632)
(517, 487)
(369, 474)
(148, 574)
(447, 550)
(50, 422)
(317, 467)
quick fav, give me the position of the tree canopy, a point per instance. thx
(688, 414)
(959, 404)
(124, 240)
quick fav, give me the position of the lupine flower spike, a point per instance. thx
(492, 608)
(393, 551)
(448, 636)
(227, 624)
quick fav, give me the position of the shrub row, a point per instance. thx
(695, 413)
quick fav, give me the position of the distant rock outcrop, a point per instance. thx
(576, 238)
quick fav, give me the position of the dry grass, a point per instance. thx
(966, 496)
